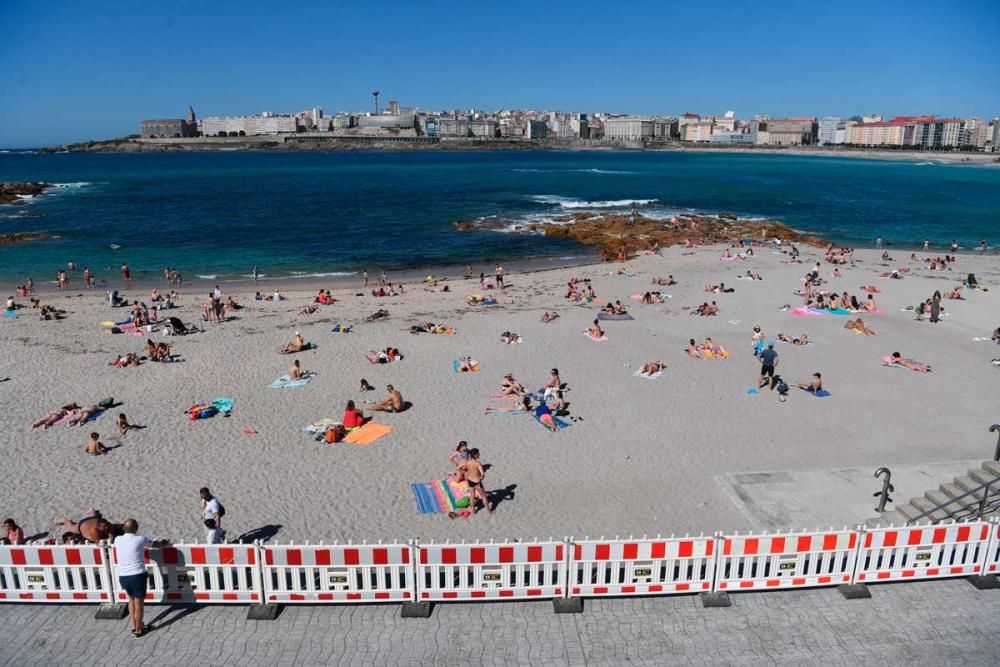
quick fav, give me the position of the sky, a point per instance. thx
(75, 71)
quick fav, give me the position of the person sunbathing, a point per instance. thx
(92, 526)
(296, 372)
(694, 350)
(467, 364)
(392, 403)
(899, 360)
(870, 304)
(710, 346)
(669, 280)
(54, 416)
(546, 317)
(859, 326)
(297, 345)
(595, 331)
(815, 385)
(871, 289)
(753, 275)
(707, 309)
(545, 416)
(308, 310)
(800, 340)
(620, 308)
(125, 360)
(511, 387)
(379, 314)
(523, 406)
(955, 293)
(509, 337)
(82, 415)
(651, 368)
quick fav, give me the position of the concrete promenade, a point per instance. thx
(924, 623)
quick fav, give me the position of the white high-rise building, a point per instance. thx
(828, 130)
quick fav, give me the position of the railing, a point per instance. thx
(264, 576)
(966, 513)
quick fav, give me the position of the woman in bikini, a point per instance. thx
(900, 360)
(693, 350)
(595, 331)
(511, 387)
(651, 368)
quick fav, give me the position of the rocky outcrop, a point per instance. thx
(20, 237)
(11, 191)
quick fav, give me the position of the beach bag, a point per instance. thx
(333, 435)
(222, 510)
(107, 402)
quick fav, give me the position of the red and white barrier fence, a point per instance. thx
(340, 574)
(641, 567)
(475, 571)
(51, 573)
(923, 552)
(209, 573)
(793, 560)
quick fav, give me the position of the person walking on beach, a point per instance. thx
(126, 274)
(954, 246)
(383, 281)
(130, 549)
(61, 280)
(499, 276)
(256, 273)
(364, 277)
(88, 278)
(468, 271)
(878, 242)
(211, 508)
(768, 362)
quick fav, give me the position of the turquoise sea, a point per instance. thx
(300, 214)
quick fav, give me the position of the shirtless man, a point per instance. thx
(296, 345)
(652, 368)
(814, 386)
(296, 372)
(92, 526)
(394, 402)
(95, 447)
(553, 384)
(474, 474)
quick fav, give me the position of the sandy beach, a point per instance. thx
(640, 456)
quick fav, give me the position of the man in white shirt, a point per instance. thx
(211, 507)
(130, 550)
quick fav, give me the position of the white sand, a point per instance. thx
(644, 458)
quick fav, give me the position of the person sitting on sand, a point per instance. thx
(707, 309)
(125, 360)
(392, 403)
(511, 387)
(595, 331)
(996, 335)
(297, 345)
(353, 418)
(694, 350)
(308, 310)
(547, 317)
(553, 384)
(711, 346)
(509, 338)
(365, 386)
(559, 407)
(95, 447)
(12, 533)
(900, 360)
(859, 326)
(955, 293)
(815, 385)
(231, 305)
(664, 282)
(296, 372)
(609, 308)
(620, 308)
(651, 368)
(870, 304)
(92, 526)
(794, 340)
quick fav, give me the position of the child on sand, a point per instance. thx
(95, 447)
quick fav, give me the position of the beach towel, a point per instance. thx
(596, 340)
(10, 313)
(721, 354)
(456, 364)
(560, 424)
(286, 382)
(981, 339)
(337, 328)
(367, 434)
(223, 404)
(822, 393)
(511, 412)
(839, 311)
(320, 426)
(442, 496)
(624, 317)
(788, 342)
(806, 312)
(639, 374)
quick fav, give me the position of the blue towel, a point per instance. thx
(427, 499)
(560, 424)
(223, 404)
(822, 393)
(286, 382)
(10, 313)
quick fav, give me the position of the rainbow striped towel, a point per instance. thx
(440, 496)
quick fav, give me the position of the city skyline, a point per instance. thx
(84, 73)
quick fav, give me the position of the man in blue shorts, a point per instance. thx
(131, 551)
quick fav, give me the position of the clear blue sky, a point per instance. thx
(80, 70)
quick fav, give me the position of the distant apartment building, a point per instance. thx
(169, 128)
(247, 126)
(877, 134)
(827, 133)
(977, 132)
(871, 118)
(724, 123)
(628, 128)
(995, 135)
(399, 121)
(483, 129)
(685, 119)
(536, 129)
(785, 131)
(698, 131)
(732, 138)
(450, 127)
(665, 129)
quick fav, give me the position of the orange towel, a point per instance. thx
(367, 434)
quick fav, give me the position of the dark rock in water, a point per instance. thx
(20, 237)
(11, 191)
(464, 225)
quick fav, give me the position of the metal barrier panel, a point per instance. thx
(641, 567)
(54, 573)
(209, 573)
(993, 548)
(793, 560)
(338, 573)
(473, 571)
(923, 552)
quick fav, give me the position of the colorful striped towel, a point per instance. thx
(442, 496)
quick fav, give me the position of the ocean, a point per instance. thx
(316, 215)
